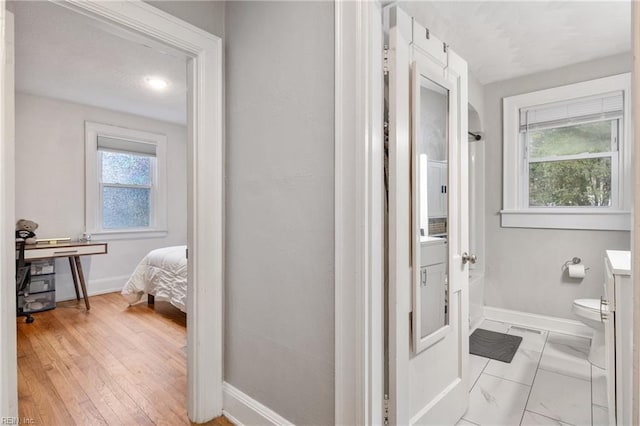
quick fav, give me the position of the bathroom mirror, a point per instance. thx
(430, 207)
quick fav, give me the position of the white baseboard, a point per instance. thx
(64, 297)
(525, 319)
(243, 410)
(94, 287)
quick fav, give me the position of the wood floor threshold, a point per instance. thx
(114, 365)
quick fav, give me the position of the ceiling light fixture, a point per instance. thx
(156, 83)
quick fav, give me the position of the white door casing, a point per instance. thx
(205, 196)
(8, 359)
(359, 184)
(635, 229)
(431, 386)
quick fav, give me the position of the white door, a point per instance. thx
(428, 351)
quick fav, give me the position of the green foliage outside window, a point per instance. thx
(571, 182)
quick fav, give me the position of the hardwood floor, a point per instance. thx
(114, 365)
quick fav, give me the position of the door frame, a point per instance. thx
(635, 228)
(205, 202)
(8, 349)
(359, 208)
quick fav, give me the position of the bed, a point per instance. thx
(162, 275)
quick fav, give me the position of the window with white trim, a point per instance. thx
(564, 157)
(125, 188)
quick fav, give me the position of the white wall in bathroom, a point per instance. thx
(476, 175)
(476, 201)
(476, 171)
(476, 98)
(523, 266)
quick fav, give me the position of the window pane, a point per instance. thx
(570, 140)
(570, 183)
(125, 207)
(126, 168)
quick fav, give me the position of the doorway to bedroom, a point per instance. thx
(101, 120)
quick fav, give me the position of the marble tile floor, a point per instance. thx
(548, 382)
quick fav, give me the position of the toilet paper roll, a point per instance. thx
(576, 271)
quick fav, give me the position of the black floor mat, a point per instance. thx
(490, 344)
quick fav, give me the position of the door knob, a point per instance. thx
(469, 258)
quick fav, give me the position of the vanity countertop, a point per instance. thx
(427, 240)
(620, 261)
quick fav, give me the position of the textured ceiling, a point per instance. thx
(502, 40)
(65, 55)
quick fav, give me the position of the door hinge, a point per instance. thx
(186, 253)
(410, 326)
(385, 61)
(385, 127)
(386, 409)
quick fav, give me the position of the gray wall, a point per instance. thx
(206, 15)
(523, 265)
(279, 297)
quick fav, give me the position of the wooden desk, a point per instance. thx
(71, 250)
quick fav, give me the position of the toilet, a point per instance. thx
(588, 310)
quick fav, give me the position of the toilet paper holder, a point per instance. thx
(574, 261)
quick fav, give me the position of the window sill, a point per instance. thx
(137, 234)
(567, 219)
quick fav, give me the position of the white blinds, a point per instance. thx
(134, 147)
(601, 107)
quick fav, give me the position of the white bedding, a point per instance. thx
(161, 273)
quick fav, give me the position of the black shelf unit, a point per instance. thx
(39, 293)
